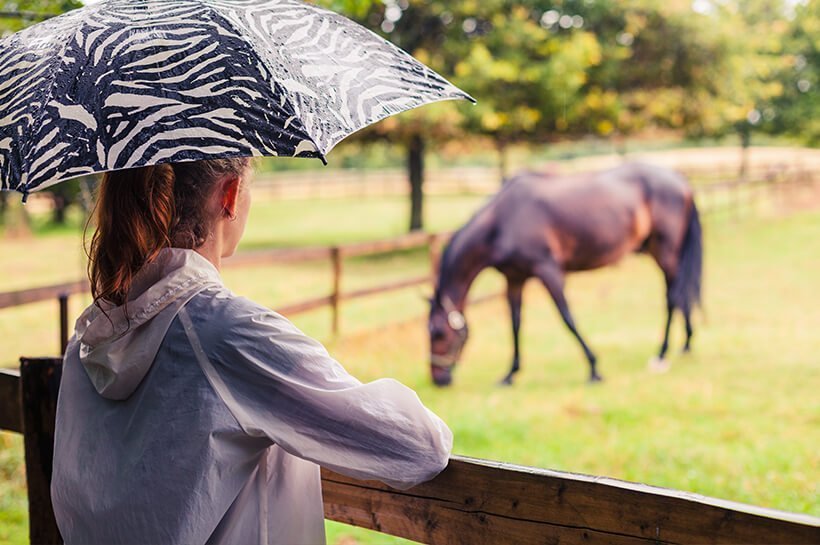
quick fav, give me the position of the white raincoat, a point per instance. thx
(201, 418)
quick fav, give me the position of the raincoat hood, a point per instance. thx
(118, 344)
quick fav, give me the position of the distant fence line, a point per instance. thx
(367, 183)
(342, 183)
(733, 195)
(354, 183)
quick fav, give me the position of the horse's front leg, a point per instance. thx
(514, 291)
(553, 278)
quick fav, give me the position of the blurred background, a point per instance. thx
(724, 91)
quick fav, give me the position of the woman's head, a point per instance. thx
(201, 205)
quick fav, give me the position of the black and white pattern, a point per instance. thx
(129, 83)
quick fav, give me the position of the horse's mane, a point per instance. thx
(461, 236)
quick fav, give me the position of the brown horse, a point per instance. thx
(545, 226)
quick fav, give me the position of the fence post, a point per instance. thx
(63, 301)
(434, 244)
(735, 199)
(336, 257)
(40, 381)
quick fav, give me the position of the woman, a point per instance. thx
(190, 415)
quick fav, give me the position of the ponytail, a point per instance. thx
(141, 211)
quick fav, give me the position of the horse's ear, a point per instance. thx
(426, 298)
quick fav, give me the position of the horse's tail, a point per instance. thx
(684, 292)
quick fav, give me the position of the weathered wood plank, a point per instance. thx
(480, 502)
(278, 256)
(11, 411)
(40, 382)
(34, 295)
(305, 306)
(384, 288)
(406, 242)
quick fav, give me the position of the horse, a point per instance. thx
(544, 226)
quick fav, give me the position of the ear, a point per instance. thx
(230, 195)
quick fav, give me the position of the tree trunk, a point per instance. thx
(620, 147)
(60, 206)
(415, 166)
(503, 164)
(745, 143)
(4, 206)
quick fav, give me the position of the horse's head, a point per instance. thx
(448, 333)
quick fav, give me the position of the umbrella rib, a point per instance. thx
(263, 59)
(49, 95)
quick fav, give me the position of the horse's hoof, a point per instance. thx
(686, 350)
(658, 365)
(594, 379)
(506, 381)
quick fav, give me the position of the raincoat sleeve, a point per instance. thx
(283, 385)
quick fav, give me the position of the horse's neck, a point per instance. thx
(469, 256)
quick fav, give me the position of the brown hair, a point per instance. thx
(140, 211)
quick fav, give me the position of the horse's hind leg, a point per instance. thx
(670, 310)
(687, 316)
(553, 278)
(667, 260)
(514, 290)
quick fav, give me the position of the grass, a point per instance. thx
(737, 419)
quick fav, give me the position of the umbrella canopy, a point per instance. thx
(130, 83)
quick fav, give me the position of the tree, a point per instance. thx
(796, 111)
(526, 73)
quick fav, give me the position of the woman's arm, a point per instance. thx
(281, 384)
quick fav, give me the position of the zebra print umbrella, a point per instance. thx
(129, 83)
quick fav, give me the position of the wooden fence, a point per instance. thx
(733, 196)
(335, 254)
(473, 502)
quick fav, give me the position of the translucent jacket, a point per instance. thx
(201, 418)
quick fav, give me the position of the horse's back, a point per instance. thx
(591, 219)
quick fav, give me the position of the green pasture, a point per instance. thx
(739, 418)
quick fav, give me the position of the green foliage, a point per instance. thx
(32, 11)
(546, 69)
(352, 8)
(527, 77)
(797, 110)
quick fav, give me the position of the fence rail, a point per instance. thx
(472, 502)
(336, 255)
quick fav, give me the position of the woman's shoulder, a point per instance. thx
(231, 328)
(219, 302)
(218, 309)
